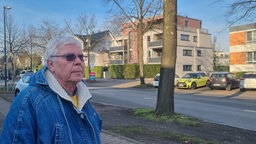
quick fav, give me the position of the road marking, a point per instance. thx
(253, 111)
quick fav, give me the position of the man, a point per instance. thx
(55, 107)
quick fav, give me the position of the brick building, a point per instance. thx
(194, 46)
(243, 48)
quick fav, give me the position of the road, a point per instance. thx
(231, 108)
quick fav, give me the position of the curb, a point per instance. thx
(112, 138)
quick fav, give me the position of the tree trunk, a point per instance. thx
(165, 98)
(141, 62)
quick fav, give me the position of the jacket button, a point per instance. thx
(82, 116)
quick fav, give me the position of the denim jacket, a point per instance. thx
(43, 113)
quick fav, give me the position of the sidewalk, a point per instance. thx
(106, 136)
(111, 138)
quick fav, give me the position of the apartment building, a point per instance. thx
(100, 44)
(243, 48)
(221, 58)
(194, 46)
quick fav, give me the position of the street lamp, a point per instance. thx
(5, 52)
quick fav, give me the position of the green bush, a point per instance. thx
(97, 69)
(150, 70)
(239, 74)
(116, 71)
(129, 71)
(221, 68)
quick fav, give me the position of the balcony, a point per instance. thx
(116, 62)
(116, 49)
(155, 44)
(154, 59)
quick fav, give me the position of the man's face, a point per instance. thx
(67, 71)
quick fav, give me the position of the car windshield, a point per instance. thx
(190, 75)
(218, 75)
(249, 76)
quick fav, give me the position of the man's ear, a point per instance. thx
(50, 65)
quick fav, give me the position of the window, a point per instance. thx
(149, 54)
(148, 38)
(187, 67)
(251, 36)
(187, 52)
(199, 53)
(186, 23)
(251, 57)
(199, 68)
(195, 38)
(130, 40)
(184, 37)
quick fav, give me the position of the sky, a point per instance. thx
(32, 12)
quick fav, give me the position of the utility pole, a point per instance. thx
(5, 51)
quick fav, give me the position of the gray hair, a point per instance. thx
(58, 43)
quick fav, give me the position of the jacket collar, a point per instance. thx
(82, 93)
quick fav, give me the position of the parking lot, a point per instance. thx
(206, 91)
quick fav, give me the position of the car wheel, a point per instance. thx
(16, 92)
(228, 88)
(193, 85)
(207, 83)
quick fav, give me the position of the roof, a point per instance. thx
(95, 36)
(243, 27)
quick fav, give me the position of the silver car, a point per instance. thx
(157, 78)
(248, 81)
(22, 83)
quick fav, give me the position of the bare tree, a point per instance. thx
(32, 42)
(241, 10)
(114, 25)
(38, 38)
(165, 99)
(15, 43)
(136, 11)
(45, 32)
(84, 28)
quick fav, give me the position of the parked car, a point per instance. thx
(193, 80)
(22, 83)
(24, 72)
(157, 78)
(248, 81)
(223, 80)
(3, 76)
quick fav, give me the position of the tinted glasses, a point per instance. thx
(71, 57)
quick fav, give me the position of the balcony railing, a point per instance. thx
(155, 44)
(116, 48)
(116, 62)
(154, 60)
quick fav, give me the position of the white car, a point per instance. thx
(24, 72)
(248, 81)
(22, 83)
(157, 78)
